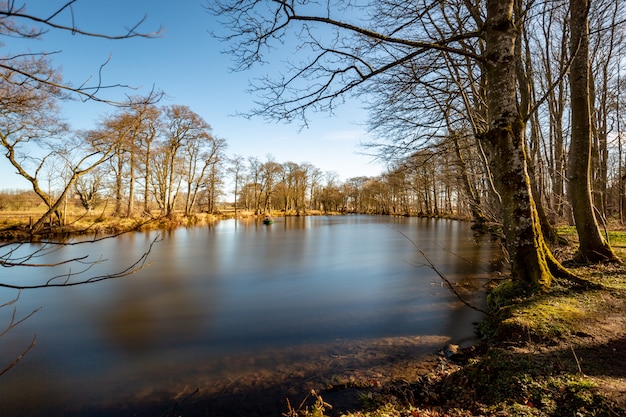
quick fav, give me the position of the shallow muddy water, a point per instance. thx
(239, 314)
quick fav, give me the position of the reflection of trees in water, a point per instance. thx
(149, 315)
(61, 270)
(197, 319)
(258, 383)
(132, 324)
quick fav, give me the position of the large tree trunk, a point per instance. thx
(119, 181)
(593, 247)
(525, 88)
(531, 260)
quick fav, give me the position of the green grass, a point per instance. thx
(617, 238)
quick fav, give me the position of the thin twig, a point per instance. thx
(580, 371)
(20, 357)
(15, 323)
(442, 276)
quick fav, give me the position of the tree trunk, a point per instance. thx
(531, 259)
(147, 177)
(131, 185)
(119, 182)
(473, 198)
(593, 247)
(523, 68)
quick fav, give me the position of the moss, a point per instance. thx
(617, 238)
(546, 318)
(522, 315)
(508, 376)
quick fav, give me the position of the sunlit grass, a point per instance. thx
(547, 317)
(616, 236)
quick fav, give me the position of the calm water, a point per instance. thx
(224, 306)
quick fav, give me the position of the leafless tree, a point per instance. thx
(593, 246)
(269, 177)
(19, 22)
(30, 88)
(88, 189)
(236, 168)
(204, 160)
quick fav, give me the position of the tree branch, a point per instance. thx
(135, 267)
(10, 12)
(442, 276)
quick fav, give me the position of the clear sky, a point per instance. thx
(187, 64)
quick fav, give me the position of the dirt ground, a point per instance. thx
(597, 350)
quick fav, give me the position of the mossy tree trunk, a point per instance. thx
(524, 69)
(593, 247)
(530, 257)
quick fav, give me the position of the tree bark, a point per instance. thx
(592, 245)
(530, 257)
(525, 87)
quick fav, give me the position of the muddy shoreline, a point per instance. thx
(260, 384)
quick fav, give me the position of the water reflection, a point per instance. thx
(240, 298)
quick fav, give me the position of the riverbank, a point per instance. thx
(550, 355)
(18, 225)
(556, 354)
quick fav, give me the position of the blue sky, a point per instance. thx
(187, 64)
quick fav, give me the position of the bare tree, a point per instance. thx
(142, 118)
(29, 90)
(269, 175)
(593, 247)
(183, 129)
(255, 187)
(18, 22)
(547, 37)
(79, 158)
(117, 134)
(88, 189)
(236, 168)
(204, 155)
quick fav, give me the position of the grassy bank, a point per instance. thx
(17, 225)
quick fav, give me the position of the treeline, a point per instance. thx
(160, 160)
(425, 185)
(166, 160)
(151, 160)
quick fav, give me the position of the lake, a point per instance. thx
(239, 313)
